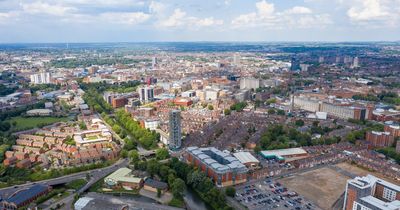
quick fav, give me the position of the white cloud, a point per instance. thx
(298, 10)
(129, 18)
(180, 18)
(206, 22)
(264, 8)
(176, 19)
(45, 8)
(104, 3)
(156, 7)
(266, 16)
(6, 16)
(367, 10)
(374, 13)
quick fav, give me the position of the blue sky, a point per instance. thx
(201, 20)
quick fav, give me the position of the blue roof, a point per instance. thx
(24, 195)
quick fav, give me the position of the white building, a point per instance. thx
(151, 124)
(249, 83)
(41, 78)
(146, 94)
(211, 94)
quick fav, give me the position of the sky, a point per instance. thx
(46, 21)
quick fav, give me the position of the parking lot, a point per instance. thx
(269, 194)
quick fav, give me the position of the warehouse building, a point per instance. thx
(247, 159)
(286, 155)
(123, 178)
(223, 168)
(24, 197)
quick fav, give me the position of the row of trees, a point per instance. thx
(148, 139)
(387, 97)
(96, 101)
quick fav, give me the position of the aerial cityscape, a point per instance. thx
(252, 107)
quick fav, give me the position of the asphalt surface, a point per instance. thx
(95, 174)
(131, 202)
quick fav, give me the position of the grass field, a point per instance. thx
(25, 123)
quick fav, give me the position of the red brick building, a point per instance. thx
(380, 139)
(393, 130)
(221, 167)
(119, 102)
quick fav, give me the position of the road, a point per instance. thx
(132, 202)
(6, 192)
(95, 176)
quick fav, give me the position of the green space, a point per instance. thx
(391, 153)
(76, 184)
(25, 123)
(13, 176)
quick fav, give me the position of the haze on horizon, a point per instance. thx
(46, 21)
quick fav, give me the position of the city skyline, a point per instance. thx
(44, 21)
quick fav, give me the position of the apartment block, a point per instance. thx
(379, 139)
(371, 193)
(223, 168)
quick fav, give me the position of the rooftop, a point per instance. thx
(245, 157)
(216, 159)
(156, 184)
(284, 152)
(24, 195)
(394, 205)
(122, 175)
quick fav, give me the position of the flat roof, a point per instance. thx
(394, 205)
(245, 157)
(123, 175)
(24, 195)
(216, 159)
(284, 152)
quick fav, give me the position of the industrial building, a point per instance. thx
(371, 193)
(123, 178)
(24, 197)
(247, 159)
(223, 168)
(284, 154)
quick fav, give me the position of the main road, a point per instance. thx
(95, 173)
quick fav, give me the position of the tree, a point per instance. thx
(281, 112)
(152, 167)
(163, 172)
(299, 123)
(257, 149)
(227, 111)
(162, 154)
(134, 156)
(210, 107)
(158, 193)
(116, 128)
(230, 191)
(178, 187)
(271, 111)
